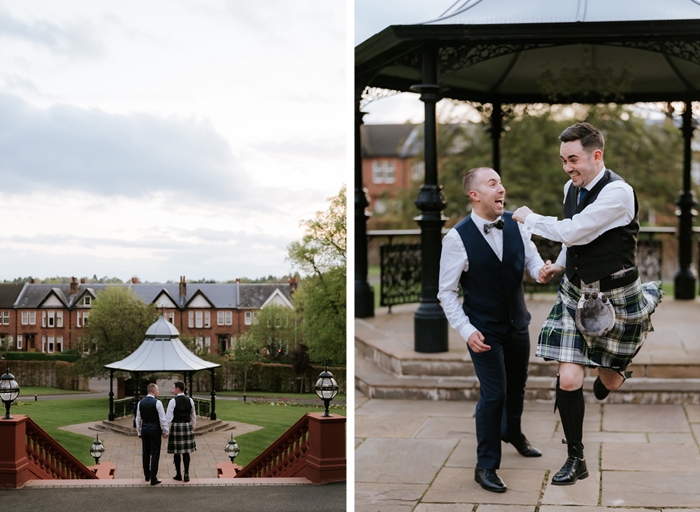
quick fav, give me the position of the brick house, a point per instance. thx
(50, 317)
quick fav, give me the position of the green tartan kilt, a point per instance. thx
(560, 339)
(181, 438)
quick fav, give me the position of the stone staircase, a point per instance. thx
(666, 371)
(125, 426)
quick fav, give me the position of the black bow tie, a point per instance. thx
(498, 225)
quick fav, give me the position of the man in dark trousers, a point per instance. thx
(182, 415)
(602, 313)
(150, 425)
(487, 253)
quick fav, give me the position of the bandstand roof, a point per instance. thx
(162, 351)
(511, 51)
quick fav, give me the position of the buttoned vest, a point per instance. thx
(493, 289)
(614, 250)
(149, 413)
(183, 408)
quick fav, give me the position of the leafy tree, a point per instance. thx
(301, 363)
(320, 298)
(274, 328)
(246, 352)
(118, 323)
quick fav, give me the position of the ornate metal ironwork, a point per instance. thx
(686, 50)
(400, 274)
(371, 94)
(454, 58)
(124, 407)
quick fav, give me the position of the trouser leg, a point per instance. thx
(516, 351)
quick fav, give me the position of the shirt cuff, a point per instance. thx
(530, 222)
(467, 331)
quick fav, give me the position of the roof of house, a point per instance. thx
(219, 295)
(383, 140)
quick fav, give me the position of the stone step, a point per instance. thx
(375, 382)
(125, 426)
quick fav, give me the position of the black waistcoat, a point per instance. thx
(493, 289)
(149, 413)
(614, 250)
(183, 408)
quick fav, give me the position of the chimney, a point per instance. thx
(238, 280)
(83, 280)
(73, 286)
(183, 287)
(32, 281)
(134, 280)
(292, 284)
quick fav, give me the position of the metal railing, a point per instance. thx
(127, 406)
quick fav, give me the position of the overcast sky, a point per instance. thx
(373, 16)
(167, 138)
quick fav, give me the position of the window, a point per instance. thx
(199, 319)
(43, 318)
(77, 319)
(228, 317)
(383, 171)
(6, 318)
(59, 318)
(43, 343)
(248, 317)
(19, 342)
(50, 319)
(219, 318)
(86, 315)
(207, 319)
(32, 318)
(418, 170)
(199, 340)
(191, 324)
(171, 317)
(59, 343)
(87, 301)
(25, 317)
(207, 343)
(50, 339)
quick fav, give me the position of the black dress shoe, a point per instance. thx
(187, 477)
(155, 482)
(177, 477)
(523, 446)
(489, 480)
(599, 389)
(572, 470)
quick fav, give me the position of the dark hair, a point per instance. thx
(180, 385)
(470, 177)
(591, 138)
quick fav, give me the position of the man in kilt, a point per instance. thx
(181, 441)
(599, 242)
(487, 253)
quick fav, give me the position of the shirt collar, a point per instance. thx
(595, 180)
(480, 222)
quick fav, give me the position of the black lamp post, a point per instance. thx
(232, 449)
(326, 389)
(9, 391)
(97, 449)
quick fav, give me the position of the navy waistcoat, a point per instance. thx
(149, 413)
(493, 290)
(183, 408)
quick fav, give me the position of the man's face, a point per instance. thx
(489, 195)
(579, 165)
(175, 390)
(155, 392)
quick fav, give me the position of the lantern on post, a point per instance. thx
(326, 389)
(9, 391)
(97, 449)
(232, 449)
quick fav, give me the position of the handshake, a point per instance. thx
(547, 271)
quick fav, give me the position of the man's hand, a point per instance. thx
(521, 214)
(548, 270)
(165, 436)
(476, 342)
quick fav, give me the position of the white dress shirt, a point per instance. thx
(614, 207)
(161, 416)
(171, 411)
(454, 260)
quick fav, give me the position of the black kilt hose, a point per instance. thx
(181, 438)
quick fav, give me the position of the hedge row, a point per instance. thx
(50, 374)
(40, 356)
(273, 378)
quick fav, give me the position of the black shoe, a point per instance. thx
(523, 446)
(155, 482)
(187, 477)
(489, 480)
(177, 477)
(599, 389)
(148, 479)
(572, 470)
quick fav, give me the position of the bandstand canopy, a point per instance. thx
(162, 351)
(512, 51)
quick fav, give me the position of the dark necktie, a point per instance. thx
(498, 225)
(582, 194)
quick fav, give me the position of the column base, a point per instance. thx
(684, 282)
(430, 329)
(364, 300)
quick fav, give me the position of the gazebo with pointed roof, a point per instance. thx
(162, 351)
(509, 51)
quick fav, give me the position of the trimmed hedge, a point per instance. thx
(270, 377)
(40, 356)
(50, 374)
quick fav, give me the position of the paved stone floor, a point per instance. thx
(125, 451)
(420, 456)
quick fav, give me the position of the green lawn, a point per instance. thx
(29, 390)
(52, 414)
